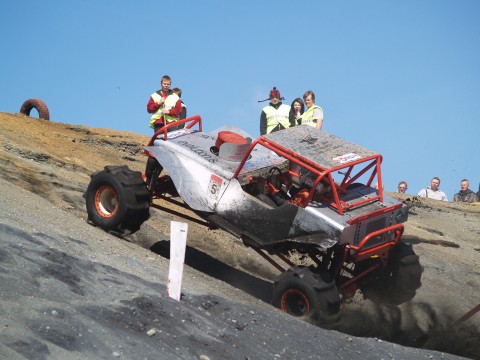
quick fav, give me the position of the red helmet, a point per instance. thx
(274, 93)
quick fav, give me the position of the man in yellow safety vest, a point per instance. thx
(164, 105)
(275, 116)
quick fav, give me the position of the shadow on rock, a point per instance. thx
(210, 266)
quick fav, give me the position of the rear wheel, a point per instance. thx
(303, 293)
(398, 282)
(117, 199)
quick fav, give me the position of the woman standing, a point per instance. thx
(314, 114)
(296, 110)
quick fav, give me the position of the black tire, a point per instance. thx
(398, 282)
(118, 200)
(37, 104)
(302, 293)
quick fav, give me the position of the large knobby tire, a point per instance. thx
(118, 200)
(37, 104)
(398, 282)
(301, 292)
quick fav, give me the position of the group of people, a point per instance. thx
(278, 116)
(166, 105)
(433, 192)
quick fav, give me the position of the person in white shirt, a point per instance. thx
(433, 192)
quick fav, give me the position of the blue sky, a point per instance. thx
(399, 77)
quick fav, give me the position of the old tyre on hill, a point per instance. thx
(117, 199)
(301, 292)
(37, 104)
(398, 282)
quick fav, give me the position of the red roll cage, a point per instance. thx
(332, 198)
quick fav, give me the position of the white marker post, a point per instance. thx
(178, 244)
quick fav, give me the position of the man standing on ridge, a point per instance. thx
(164, 105)
(402, 187)
(275, 116)
(183, 114)
(433, 192)
(465, 194)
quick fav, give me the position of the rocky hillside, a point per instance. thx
(55, 160)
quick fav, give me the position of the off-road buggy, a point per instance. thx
(302, 198)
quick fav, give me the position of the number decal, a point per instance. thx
(214, 186)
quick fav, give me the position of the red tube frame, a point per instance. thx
(380, 250)
(321, 172)
(196, 119)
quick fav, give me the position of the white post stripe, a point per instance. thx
(178, 244)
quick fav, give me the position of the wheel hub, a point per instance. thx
(106, 201)
(294, 302)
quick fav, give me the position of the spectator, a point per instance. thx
(465, 194)
(296, 110)
(274, 117)
(183, 114)
(433, 192)
(164, 105)
(314, 114)
(402, 187)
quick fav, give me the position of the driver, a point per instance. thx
(277, 186)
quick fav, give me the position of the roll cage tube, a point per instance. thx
(359, 253)
(193, 120)
(373, 164)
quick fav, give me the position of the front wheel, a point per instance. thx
(117, 199)
(303, 293)
(398, 282)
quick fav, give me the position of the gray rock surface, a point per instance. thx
(71, 291)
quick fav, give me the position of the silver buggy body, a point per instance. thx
(225, 185)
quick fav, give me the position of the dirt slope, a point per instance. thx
(55, 160)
